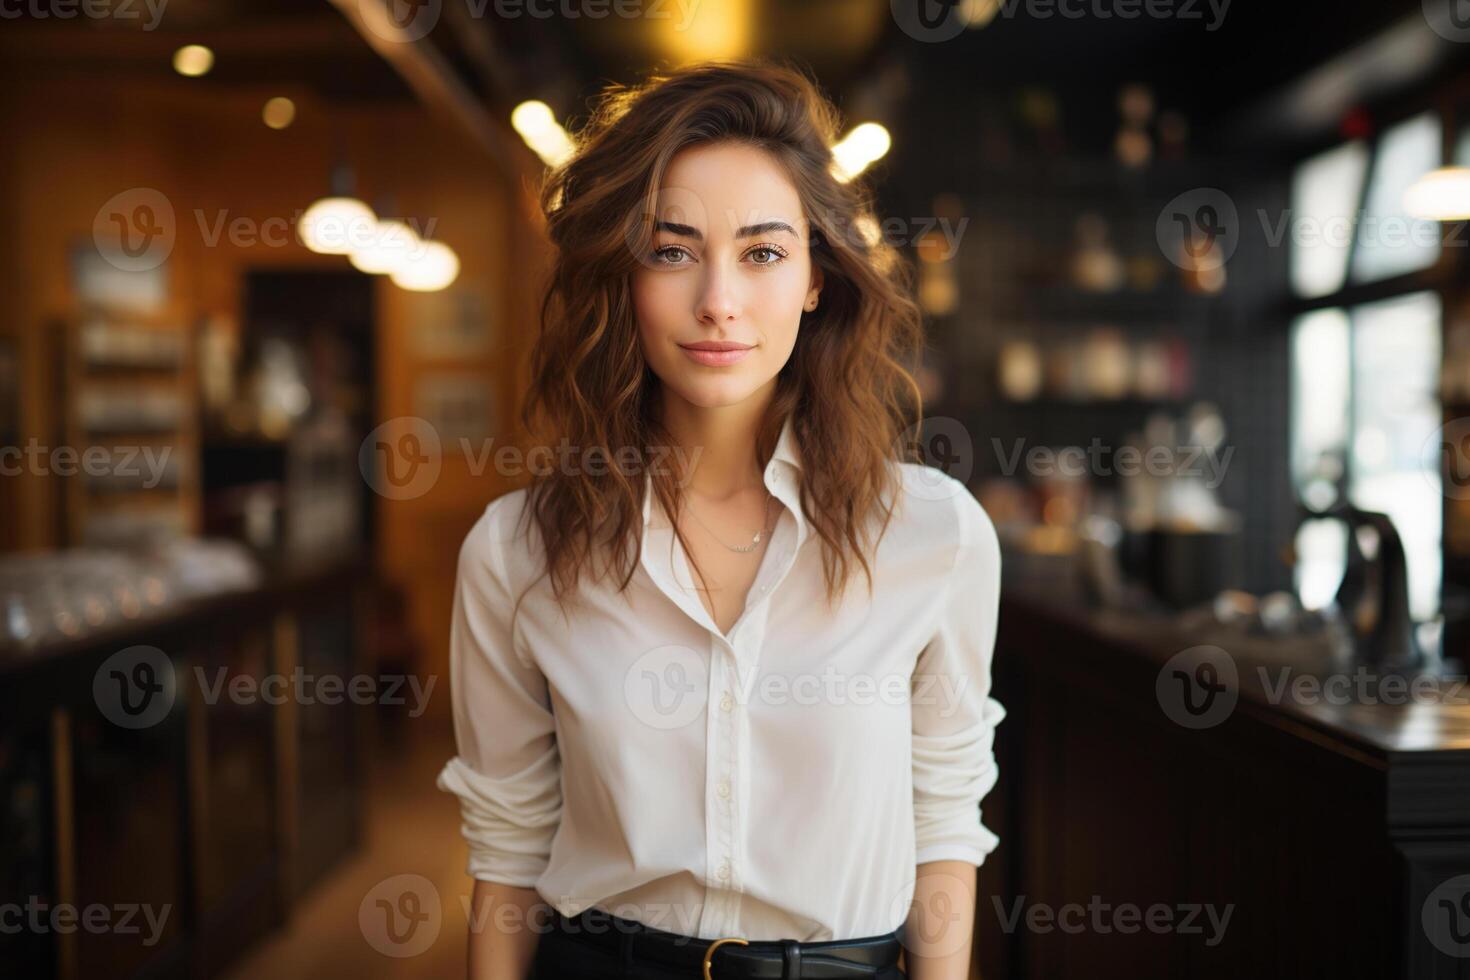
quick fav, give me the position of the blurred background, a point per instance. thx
(1193, 275)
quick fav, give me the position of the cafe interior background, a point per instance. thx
(1194, 282)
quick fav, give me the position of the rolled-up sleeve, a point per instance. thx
(507, 772)
(954, 716)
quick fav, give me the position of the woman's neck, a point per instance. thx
(719, 443)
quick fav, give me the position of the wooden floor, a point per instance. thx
(339, 929)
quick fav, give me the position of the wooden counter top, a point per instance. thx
(1286, 682)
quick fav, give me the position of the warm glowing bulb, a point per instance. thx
(337, 226)
(537, 125)
(193, 60)
(856, 151)
(1440, 195)
(278, 113)
(431, 268)
(394, 245)
(532, 117)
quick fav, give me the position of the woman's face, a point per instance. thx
(730, 268)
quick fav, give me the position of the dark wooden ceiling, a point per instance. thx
(503, 52)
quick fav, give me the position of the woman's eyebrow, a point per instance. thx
(748, 231)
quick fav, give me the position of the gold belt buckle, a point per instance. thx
(713, 946)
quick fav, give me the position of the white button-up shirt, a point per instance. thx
(781, 781)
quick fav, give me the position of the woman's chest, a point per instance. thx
(636, 666)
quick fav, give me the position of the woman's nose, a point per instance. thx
(718, 301)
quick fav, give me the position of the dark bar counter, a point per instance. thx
(238, 801)
(1301, 821)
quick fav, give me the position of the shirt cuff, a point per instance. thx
(507, 823)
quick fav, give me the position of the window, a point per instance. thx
(1365, 368)
(1324, 194)
(1389, 242)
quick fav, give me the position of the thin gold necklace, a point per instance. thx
(755, 541)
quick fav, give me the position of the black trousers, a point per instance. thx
(563, 957)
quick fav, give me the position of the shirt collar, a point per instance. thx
(782, 478)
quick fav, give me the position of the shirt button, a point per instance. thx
(723, 789)
(724, 871)
(727, 702)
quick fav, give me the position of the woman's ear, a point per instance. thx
(814, 291)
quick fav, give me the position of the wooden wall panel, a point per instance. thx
(210, 154)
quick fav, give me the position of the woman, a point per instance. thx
(689, 734)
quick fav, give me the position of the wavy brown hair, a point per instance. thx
(847, 381)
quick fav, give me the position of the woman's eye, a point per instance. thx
(671, 255)
(772, 255)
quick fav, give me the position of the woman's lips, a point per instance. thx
(715, 355)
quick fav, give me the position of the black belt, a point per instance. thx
(731, 959)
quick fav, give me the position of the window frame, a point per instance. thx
(1438, 277)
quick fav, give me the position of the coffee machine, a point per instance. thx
(1371, 605)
